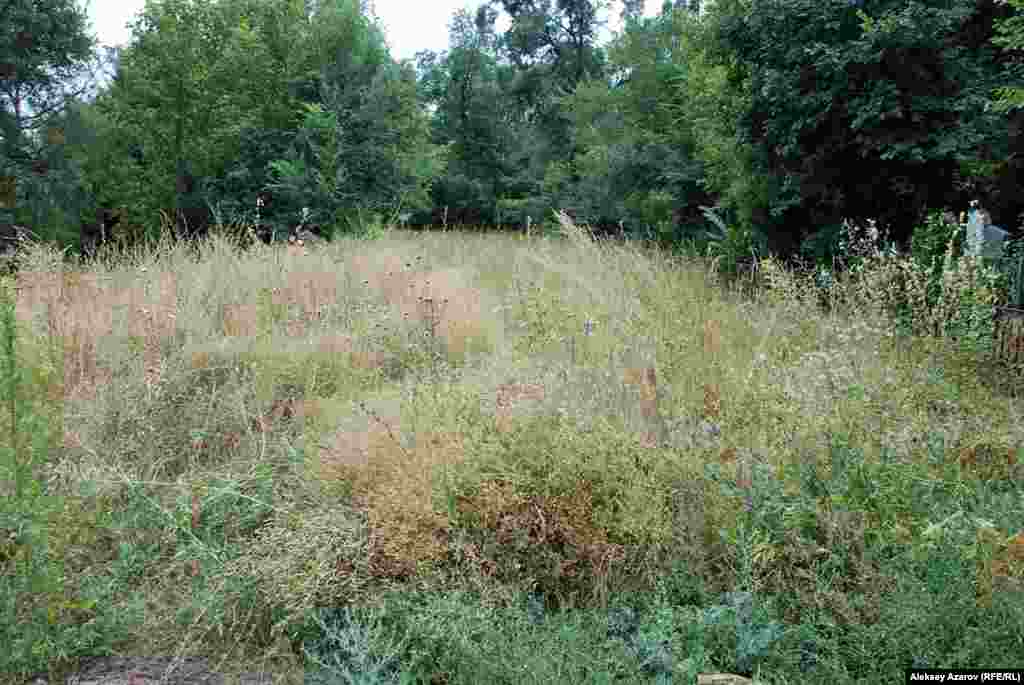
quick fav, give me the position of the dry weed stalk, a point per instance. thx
(240, 320)
(508, 394)
(656, 431)
(712, 394)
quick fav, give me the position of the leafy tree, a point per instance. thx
(44, 53)
(553, 50)
(59, 201)
(265, 59)
(1006, 173)
(632, 10)
(201, 81)
(43, 47)
(714, 92)
(392, 161)
(495, 103)
(463, 85)
(119, 172)
(1010, 35)
(166, 93)
(364, 143)
(562, 37)
(860, 116)
(265, 72)
(636, 164)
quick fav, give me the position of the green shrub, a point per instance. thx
(935, 291)
(732, 246)
(928, 245)
(50, 610)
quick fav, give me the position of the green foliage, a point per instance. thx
(959, 298)
(840, 130)
(732, 246)
(823, 247)
(557, 42)
(304, 179)
(264, 96)
(52, 205)
(168, 88)
(366, 224)
(1012, 266)
(753, 634)
(353, 645)
(459, 637)
(248, 179)
(256, 49)
(552, 49)
(635, 164)
(714, 93)
(517, 212)
(42, 48)
(391, 159)
(938, 589)
(363, 141)
(1010, 35)
(463, 83)
(46, 615)
(216, 87)
(929, 245)
(652, 209)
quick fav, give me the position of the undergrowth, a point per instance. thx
(432, 459)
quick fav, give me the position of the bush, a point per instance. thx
(952, 298)
(928, 246)
(732, 247)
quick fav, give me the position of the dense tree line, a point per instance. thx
(785, 116)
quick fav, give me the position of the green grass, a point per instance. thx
(458, 458)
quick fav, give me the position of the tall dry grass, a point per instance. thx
(278, 431)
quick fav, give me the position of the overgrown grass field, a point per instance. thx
(463, 458)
